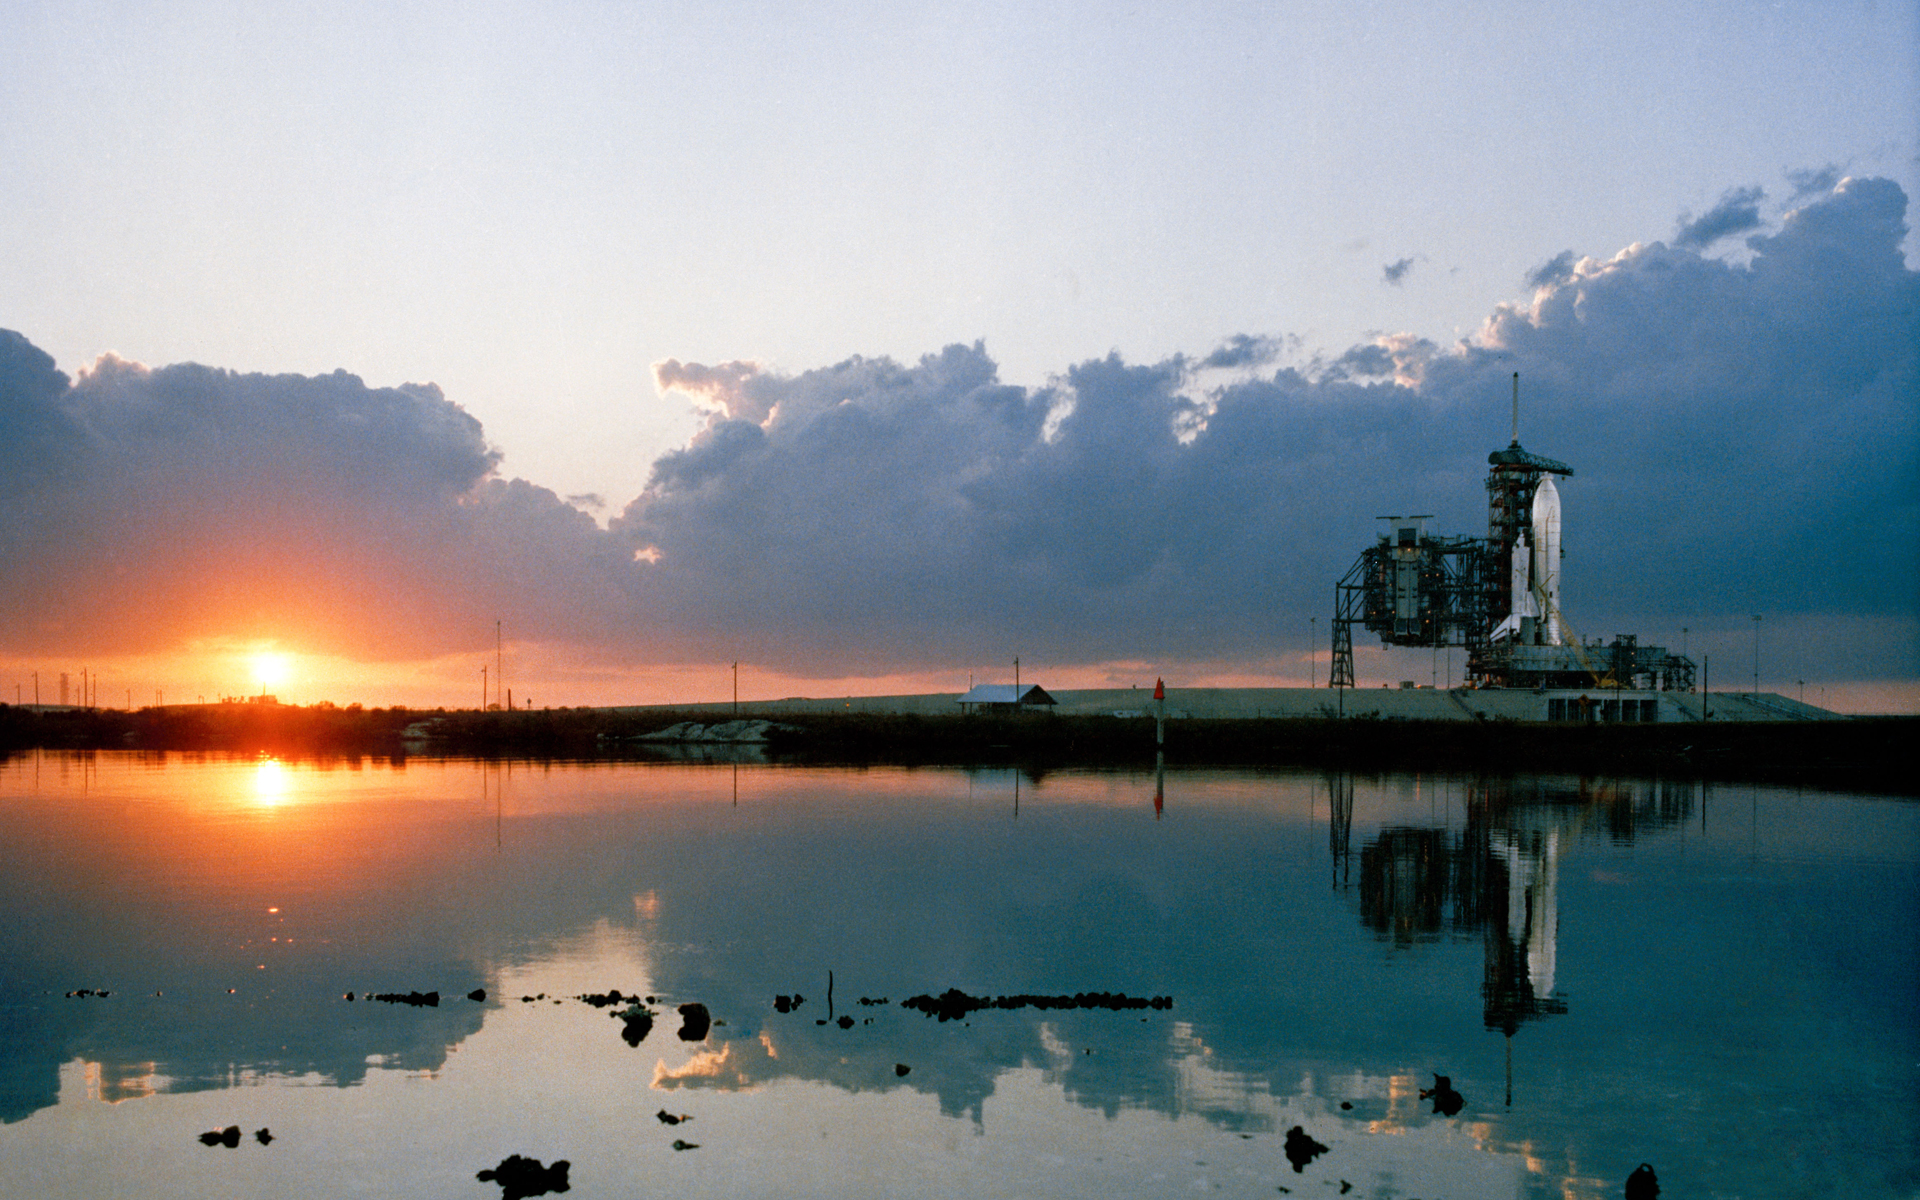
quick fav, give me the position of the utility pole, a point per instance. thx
(499, 672)
(1313, 652)
(736, 687)
(483, 687)
(1756, 654)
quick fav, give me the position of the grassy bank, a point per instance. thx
(1867, 754)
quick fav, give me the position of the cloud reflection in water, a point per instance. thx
(1480, 908)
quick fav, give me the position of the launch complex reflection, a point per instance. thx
(1490, 874)
(1496, 877)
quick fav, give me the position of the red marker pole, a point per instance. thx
(1160, 712)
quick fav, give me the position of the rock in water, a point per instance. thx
(1643, 1184)
(1446, 1101)
(263, 1136)
(636, 1024)
(1302, 1149)
(695, 1021)
(522, 1177)
(228, 1137)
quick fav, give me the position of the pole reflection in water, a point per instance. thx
(1660, 1004)
(1340, 826)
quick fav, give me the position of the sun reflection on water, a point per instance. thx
(272, 783)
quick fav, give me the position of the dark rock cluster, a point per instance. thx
(230, 1137)
(522, 1177)
(695, 1022)
(954, 1004)
(635, 1024)
(1302, 1149)
(1446, 1101)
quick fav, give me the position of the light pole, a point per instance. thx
(1756, 654)
(1313, 652)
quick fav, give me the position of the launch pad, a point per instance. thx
(1498, 598)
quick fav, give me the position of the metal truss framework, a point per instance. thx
(1419, 591)
(1433, 591)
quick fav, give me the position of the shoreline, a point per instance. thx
(1861, 753)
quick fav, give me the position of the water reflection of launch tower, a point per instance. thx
(1522, 938)
(1502, 880)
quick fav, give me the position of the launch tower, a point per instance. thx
(1498, 597)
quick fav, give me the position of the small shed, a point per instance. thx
(1005, 698)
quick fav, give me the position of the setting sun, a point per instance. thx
(271, 669)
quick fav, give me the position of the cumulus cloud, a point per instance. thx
(1244, 350)
(1724, 419)
(1737, 212)
(1555, 270)
(151, 507)
(1727, 422)
(731, 391)
(1813, 181)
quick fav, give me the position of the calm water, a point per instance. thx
(1722, 982)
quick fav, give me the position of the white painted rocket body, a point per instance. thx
(1521, 603)
(1546, 559)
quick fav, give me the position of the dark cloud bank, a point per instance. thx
(1744, 436)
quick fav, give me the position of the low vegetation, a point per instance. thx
(1864, 754)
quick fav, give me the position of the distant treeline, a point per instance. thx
(1868, 754)
(287, 729)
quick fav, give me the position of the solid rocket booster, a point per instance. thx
(1520, 585)
(1546, 557)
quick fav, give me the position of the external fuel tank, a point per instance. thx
(1546, 558)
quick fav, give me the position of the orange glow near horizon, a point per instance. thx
(553, 675)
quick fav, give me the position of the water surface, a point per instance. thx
(1720, 982)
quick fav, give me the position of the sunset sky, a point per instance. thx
(872, 345)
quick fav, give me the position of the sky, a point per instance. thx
(872, 346)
